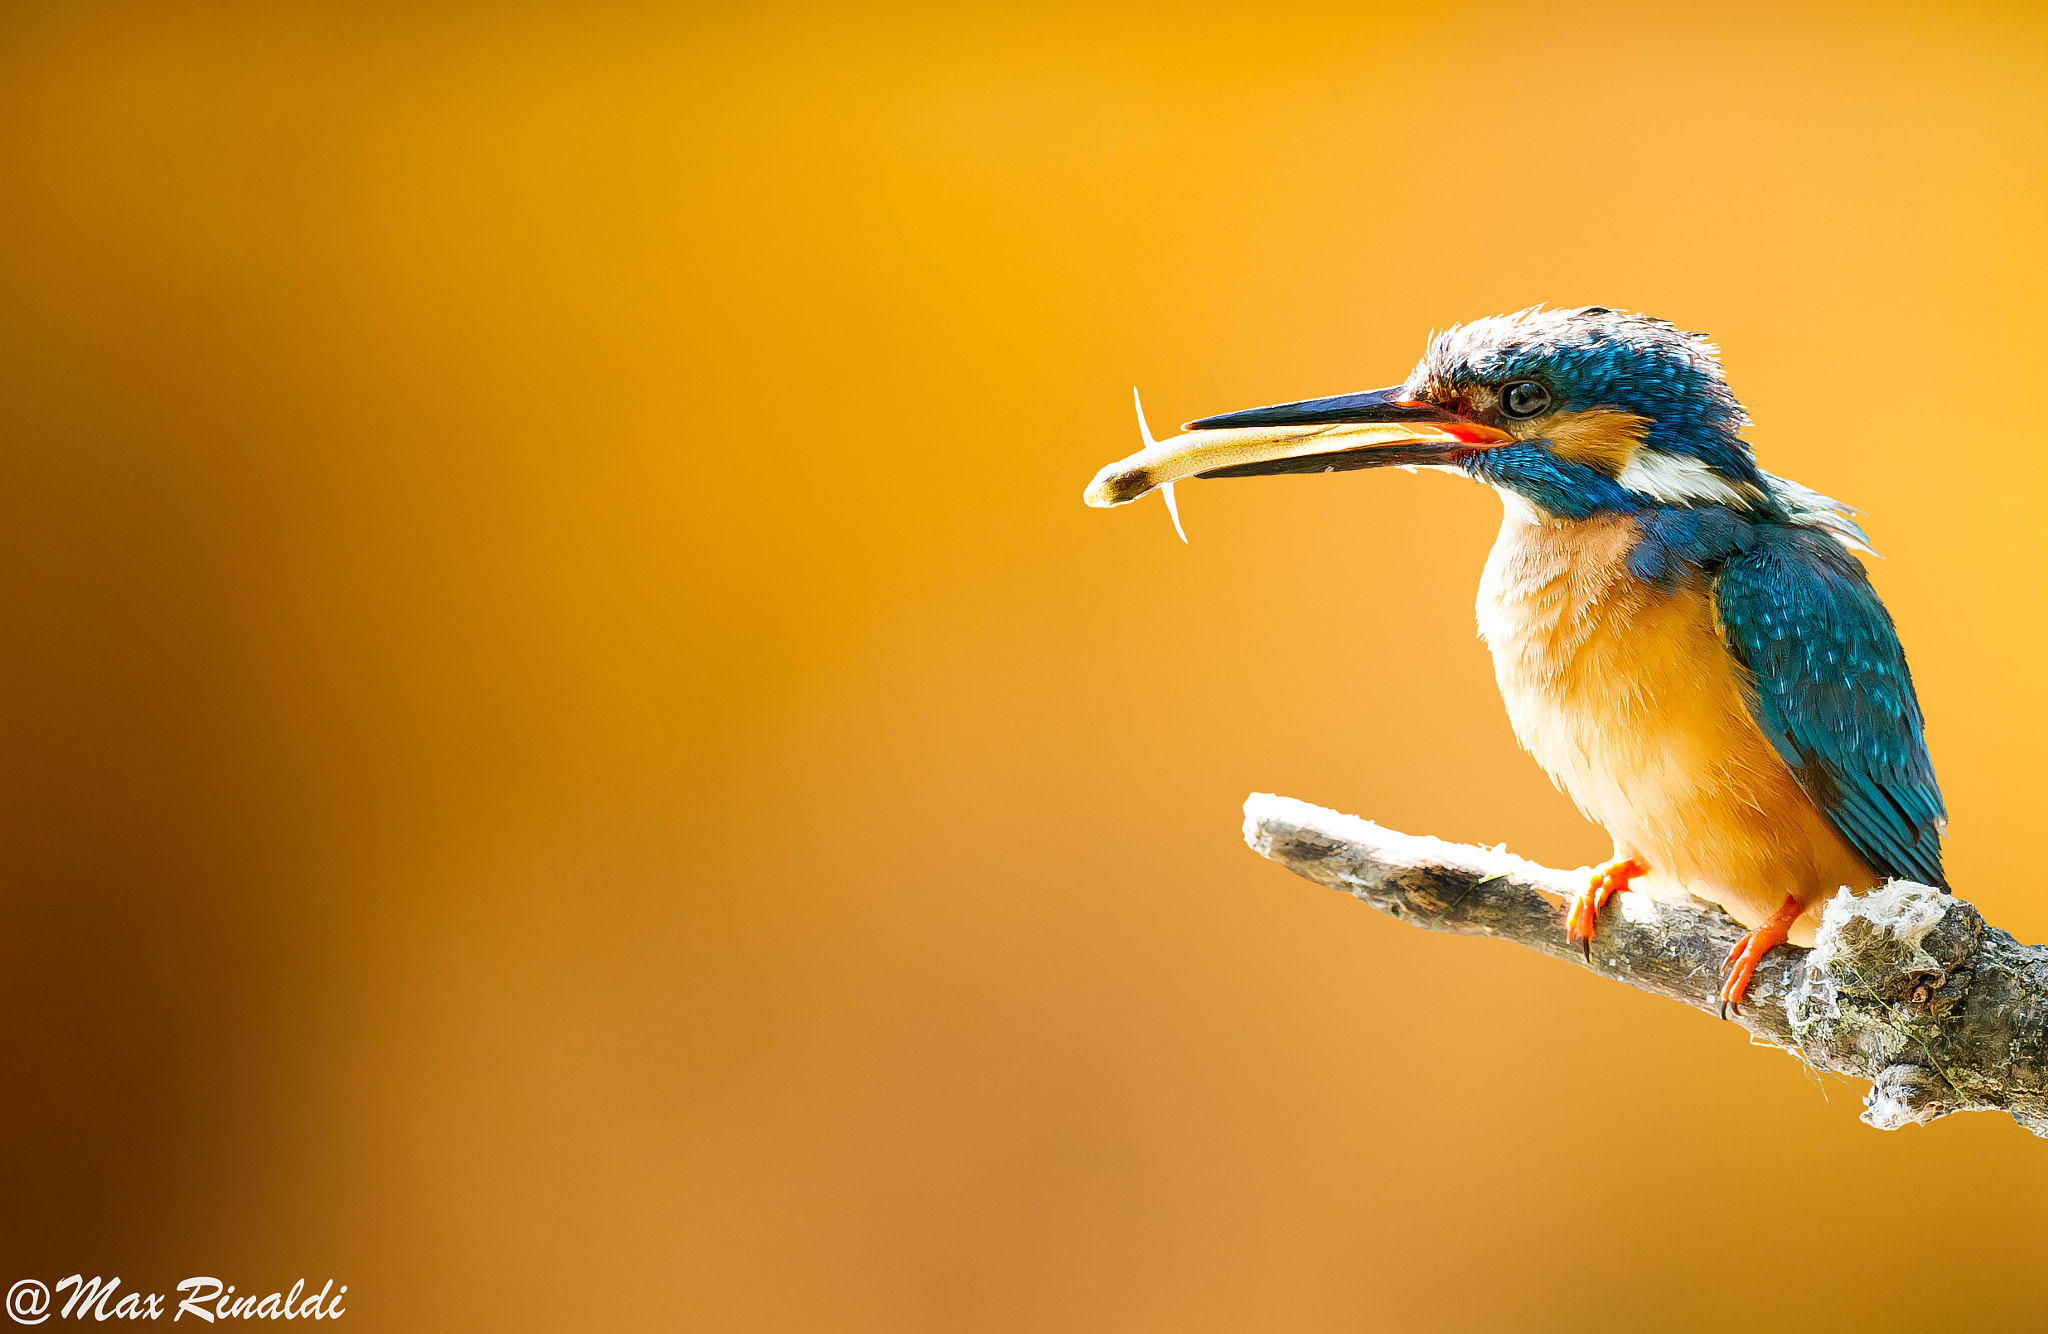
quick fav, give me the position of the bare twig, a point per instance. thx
(1906, 987)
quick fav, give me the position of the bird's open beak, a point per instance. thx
(1372, 430)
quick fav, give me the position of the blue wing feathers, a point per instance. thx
(1833, 694)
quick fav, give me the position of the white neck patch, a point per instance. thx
(1677, 479)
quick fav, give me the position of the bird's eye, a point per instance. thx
(1524, 398)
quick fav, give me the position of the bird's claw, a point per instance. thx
(1745, 954)
(1581, 920)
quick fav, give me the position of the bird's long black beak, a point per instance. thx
(1337, 434)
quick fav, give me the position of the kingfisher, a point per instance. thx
(1685, 643)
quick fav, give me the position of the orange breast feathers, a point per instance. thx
(1630, 700)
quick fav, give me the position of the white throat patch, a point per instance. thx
(1518, 507)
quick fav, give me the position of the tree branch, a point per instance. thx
(1906, 987)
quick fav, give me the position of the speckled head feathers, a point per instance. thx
(1593, 357)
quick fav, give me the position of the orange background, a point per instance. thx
(570, 757)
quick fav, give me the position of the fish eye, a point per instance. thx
(1524, 398)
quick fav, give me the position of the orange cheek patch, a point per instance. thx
(1603, 439)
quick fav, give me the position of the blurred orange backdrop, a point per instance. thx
(572, 758)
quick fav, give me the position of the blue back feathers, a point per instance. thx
(1834, 696)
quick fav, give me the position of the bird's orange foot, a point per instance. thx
(1609, 880)
(1740, 965)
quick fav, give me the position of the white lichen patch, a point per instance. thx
(1267, 816)
(1868, 970)
(1889, 923)
(1905, 1095)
